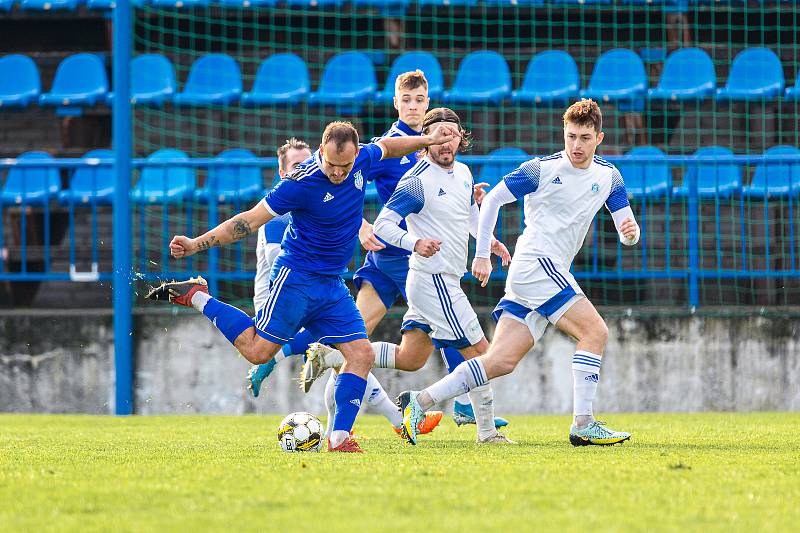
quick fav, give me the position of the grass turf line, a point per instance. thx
(680, 471)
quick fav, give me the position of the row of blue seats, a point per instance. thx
(72, 5)
(238, 182)
(349, 78)
(158, 184)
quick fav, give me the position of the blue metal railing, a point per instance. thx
(691, 272)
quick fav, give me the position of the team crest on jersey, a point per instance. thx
(359, 180)
(595, 188)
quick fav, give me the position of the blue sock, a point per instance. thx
(229, 320)
(452, 358)
(299, 343)
(349, 393)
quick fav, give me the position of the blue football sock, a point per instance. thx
(229, 320)
(349, 393)
(299, 343)
(452, 358)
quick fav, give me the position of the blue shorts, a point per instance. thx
(321, 304)
(387, 273)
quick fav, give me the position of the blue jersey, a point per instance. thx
(388, 172)
(323, 232)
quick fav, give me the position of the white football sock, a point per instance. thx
(199, 300)
(585, 375)
(330, 402)
(384, 354)
(466, 376)
(482, 399)
(338, 437)
(377, 398)
(462, 399)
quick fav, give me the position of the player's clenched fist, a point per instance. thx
(482, 269)
(181, 246)
(427, 247)
(629, 229)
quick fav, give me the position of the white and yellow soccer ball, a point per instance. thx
(300, 432)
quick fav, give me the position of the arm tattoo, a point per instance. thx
(241, 228)
(205, 245)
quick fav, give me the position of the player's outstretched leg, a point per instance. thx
(462, 408)
(235, 324)
(297, 345)
(320, 358)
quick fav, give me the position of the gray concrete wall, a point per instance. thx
(63, 362)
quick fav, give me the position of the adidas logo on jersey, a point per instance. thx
(557, 181)
(441, 192)
(405, 160)
(356, 402)
(328, 197)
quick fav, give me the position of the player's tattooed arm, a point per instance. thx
(231, 230)
(239, 228)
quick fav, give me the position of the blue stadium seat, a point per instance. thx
(714, 180)
(6, 5)
(756, 74)
(688, 75)
(165, 184)
(179, 3)
(152, 80)
(793, 93)
(19, 81)
(447, 2)
(776, 180)
(233, 183)
(32, 185)
(424, 61)
(101, 5)
(313, 3)
(382, 4)
(214, 79)
(618, 76)
(482, 77)
(80, 81)
(49, 5)
(584, 2)
(248, 3)
(91, 184)
(647, 179)
(503, 3)
(551, 77)
(493, 172)
(281, 79)
(348, 79)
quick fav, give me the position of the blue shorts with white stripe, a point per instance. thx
(320, 303)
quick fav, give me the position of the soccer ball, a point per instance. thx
(300, 432)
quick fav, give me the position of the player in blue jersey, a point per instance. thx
(382, 278)
(325, 196)
(270, 235)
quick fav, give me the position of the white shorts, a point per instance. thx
(265, 254)
(438, 306)
(538, 292)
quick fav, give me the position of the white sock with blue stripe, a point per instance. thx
(585, 375)
(384, 354)
(467, 376)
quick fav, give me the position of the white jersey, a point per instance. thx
(437, 204)
(560, 203)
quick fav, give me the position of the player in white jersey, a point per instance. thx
(563, 193)
(436, 200)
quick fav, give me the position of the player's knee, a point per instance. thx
(599, 333)
(414, 363)
(361, 356)
(256, 356)
(499, 366)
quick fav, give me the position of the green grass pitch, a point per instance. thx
(709, 472)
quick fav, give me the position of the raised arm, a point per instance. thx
(400, 146)
(233, 229)
(620, 209)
